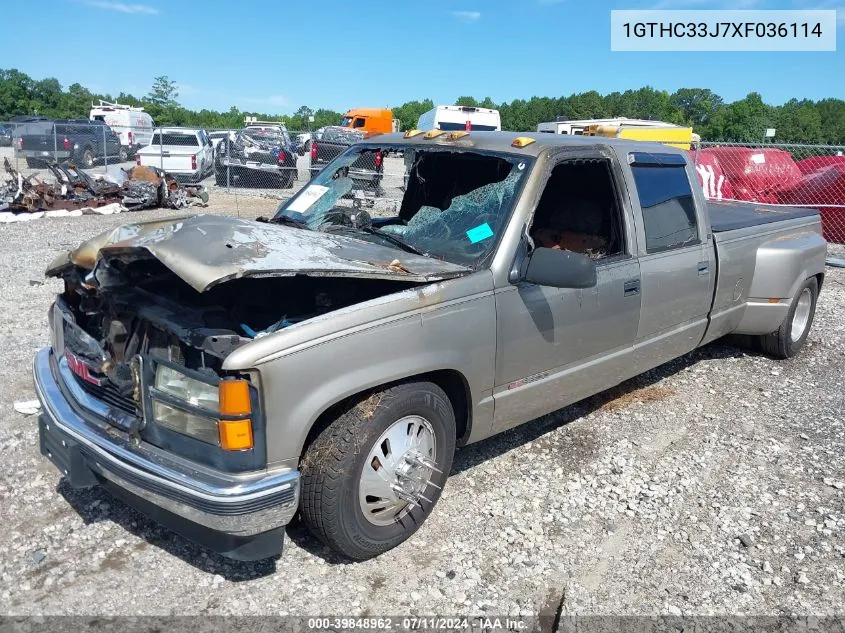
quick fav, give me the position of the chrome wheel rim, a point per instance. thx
(801, 316)
(397, 471)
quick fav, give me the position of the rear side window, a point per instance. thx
(667, 204)
(182, 140)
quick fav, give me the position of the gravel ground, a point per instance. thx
(714, 484)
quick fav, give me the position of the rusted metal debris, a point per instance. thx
(137, 188)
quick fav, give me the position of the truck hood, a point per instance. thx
(206, 250)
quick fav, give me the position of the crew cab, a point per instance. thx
(185, 153)
(222, 374)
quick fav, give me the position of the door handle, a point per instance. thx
(703, 268)
(631, 288)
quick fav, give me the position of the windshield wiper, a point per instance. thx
(393, 239)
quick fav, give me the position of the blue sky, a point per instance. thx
(273, 56)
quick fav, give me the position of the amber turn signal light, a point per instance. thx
(234, 397)
(235, 435)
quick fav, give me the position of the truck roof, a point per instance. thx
(502, 142)
(458, 108)
(369, 112)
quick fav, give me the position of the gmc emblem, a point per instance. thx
(81, 369)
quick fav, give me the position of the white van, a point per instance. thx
(130, 123)
(454, 117)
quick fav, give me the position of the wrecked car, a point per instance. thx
(366, 172)
(254, 158)
(223, 374)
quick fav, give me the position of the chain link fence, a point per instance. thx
(269, 160)
(810, 176)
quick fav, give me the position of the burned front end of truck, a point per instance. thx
(135, 398)
(134, 389)
(172, 341)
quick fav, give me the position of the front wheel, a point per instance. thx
(372, 477)
(789, 338)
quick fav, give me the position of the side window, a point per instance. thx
(358, 123)
(579, 211)
(667, 204)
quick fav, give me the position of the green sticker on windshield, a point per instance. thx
(479, 233)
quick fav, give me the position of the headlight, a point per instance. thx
(194, 392)
(223, 411)
(204, 429)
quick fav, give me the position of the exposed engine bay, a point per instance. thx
(141, 307)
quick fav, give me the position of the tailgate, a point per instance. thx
(327, 152)
(41, 142)
(172, 159)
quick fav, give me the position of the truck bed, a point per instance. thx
(729, 216)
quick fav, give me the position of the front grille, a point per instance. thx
(109, 394)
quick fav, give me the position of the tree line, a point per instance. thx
(744, 120)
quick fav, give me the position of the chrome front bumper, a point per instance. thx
(241, 505)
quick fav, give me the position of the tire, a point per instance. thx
(790, 337)
(123, 154)
(333, 496)
(220, 177)
(86, 159)
(286, 180)
(34, 163)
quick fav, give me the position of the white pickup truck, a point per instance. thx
(186, 154)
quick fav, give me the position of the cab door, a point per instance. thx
(677, 258)
(556, 346)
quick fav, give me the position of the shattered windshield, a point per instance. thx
(441, 202)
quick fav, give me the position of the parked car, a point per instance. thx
(186, 153)
(366, 172)
(254, 158)
(224, 374)
(133, 126)
(80, 141)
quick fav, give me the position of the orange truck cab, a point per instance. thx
(371, 120)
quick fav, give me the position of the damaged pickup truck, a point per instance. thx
(223, 374)
(254, 158)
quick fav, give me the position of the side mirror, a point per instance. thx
(560, 269)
